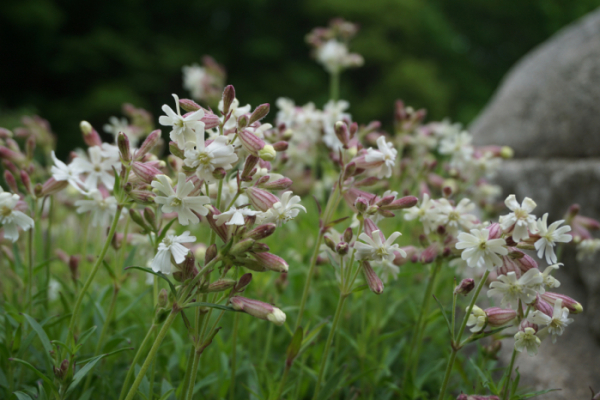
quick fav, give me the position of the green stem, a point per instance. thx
(282, 382)
(510, 369)
(161, 335)
(88, 282)
(30, 277)
(456, 343)
(324, 356)
(334, 86)
(138, 354)
(233, 355)
(192, 381)
(267, 346)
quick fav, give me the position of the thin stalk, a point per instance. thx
(456, 343)
(161, 335)
(324, 356)
(47, 247)
(188, 372)
(31, 260)
(282, 382)
(138, 354)
(236, 318)
(88, 282)
(267, 346)
(510, 369)
(334, 86)
(191, 384)
(213, 234)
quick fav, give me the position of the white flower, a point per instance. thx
(334, 56)
(549, 236)
(587, 248)
(332, 113)
(520, 217)
(11, 219)
(98, 168)
(218, 154)
(236, 112)
(117, 125)
(376, 249)
(234, 216)
(171, 246)
(478, 318)
(283, 211)
(53, 289)
(386, 155)
(194, 77)
(549, 280)
(179, 201)
(480, 251)
(556, 324)
(458, 146)
(102, 208)
(512, 289)
(426, 213)
(387, 269)
(457, 217)
(63, 172)
(184, 129)
(527, 340)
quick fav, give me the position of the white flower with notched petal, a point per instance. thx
(477, 319)
(179, 200)
(97, 169)
(549, 236)
(387, 269)
(234, 216)
(527, 340)
(236, 112)
(102, 208)
(376, 249)
(386, 155)
(63, 172)
(587, 248)
(205, 159)
(426, 213)
(171, 246)
(455, 217)
(184, 128)
(458, 146)
(479, 250)
(194, 79)
(520, 217)
(549, 280)
(11, 219)
(283, 211)
(554, 325)
(512, 289)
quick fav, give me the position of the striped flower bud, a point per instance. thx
(243, 282)
(261, 199)
(228, 97)
(90, 136)
(267, 153)
(221, 230)
(401, 203)
(499, 316)
(221, 285)
(10, 180)
(145, 171)
(573, 306)
(372, 279)
(52, 186)
(465, 287)
(259, 113)
(252, 143)
(272, 262)
(147, 145)
(8, 154)
(261, 232)
(258, 309)
(279, 184)
(241, 247)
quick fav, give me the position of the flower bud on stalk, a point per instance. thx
(244, 281)
(145, 171)
(140, 196)
(465, 287)
(260, 247)
(243, 121)
(342, 248)
(261, 199)
(259, 113)
(249, 165)
(221, 230)
(329, 242)
(261, 232)
(211, 253)
(258, 309)
(175, 150)
(280, 146)
(90, 136)
(219, 173)
(30, 147)
(52, 186)
(543, 306)
(221, 285)
(430, 253)
(361, 205)
(74, 267)
(61, 372)
(573, 306)
(341, 131)
(124, 148)
(272, 262)
(137, 218)
(499, 316)
(7, 154)
(11, 181)
(150, 218)
(189, 105)
(279, 184)
(228, 97)
(372, 279)
(369, 181)
(147, 145)
(267, 153)
(348, 235)
(27, 182)
(163, 298)
(241, 247)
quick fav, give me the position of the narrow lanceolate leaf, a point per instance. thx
(332, 384)
(36, 371)
(294, 347)
(78, 377)
(41, 334)
(22, 396)
(159, 274)
(211, 305)
(444, 315)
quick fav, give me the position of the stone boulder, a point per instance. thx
(548, 110)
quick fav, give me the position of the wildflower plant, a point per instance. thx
(196, 227)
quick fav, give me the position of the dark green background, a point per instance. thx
(73, 60)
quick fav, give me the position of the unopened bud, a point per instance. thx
(499, 316)
(145, 171)
(573, 306)
(220, 285)
(228, 97)
(447, 191)
(259, 113)
(465, 287)
(348, 235)
(249, 165)
(349, 170)
(74, 267)
(30, 147)
(11, 155)
(280, 146)
(372, 279)
(430, 253)
(261, 199)
(243, 282)
(329, 242)
(267, 153)
(175, 150)
(51, 186)
(341, 248)
(11, 181)
(372, 210)
(241, 247)
(141, 196)
(272, 262)
(26, 180)
(137, 218)
(279, 184)
(219, 173)
(261, 232)
(507, 152)
(361, 205)
(163, 298)
(258, 309)
(252, 143)
(150, 218)
(243, 121)
(189, 105)
(341, 131)
(90, 136)
(402, 203)
(211, 253)
(148, 144)
(124, 148)
(61, 372)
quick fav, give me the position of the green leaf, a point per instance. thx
(332, 384)
(533, 394)
(159, 274)
(486, 379)
(132, 304)
(294, 347)
(36, 371)
(22, 396)
(210, 305)
(78, 377)
(41, 334)
(18, 336)
(86, 335)
(359, 288)
(111, 272)
(167, 394)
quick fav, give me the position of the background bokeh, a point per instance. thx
(71, 60)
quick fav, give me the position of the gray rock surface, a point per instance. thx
(548, 110)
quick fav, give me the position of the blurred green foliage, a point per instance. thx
(74, 60)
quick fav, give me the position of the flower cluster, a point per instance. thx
(330, 46)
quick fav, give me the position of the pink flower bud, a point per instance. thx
(526, 263)
(281, 146)
(26, 180)
(272, 262)
(411, 251)
(372, 279)
(342, 248)
(341, 131)
(189, 105)
(11, 181)
(210, 120)
(371, 227)
(124, 148)
(499, 316)
(586, 222)
(74, 267)
(369, 181)
(361, 204)
(252, 143)
(258, 309)
(348, 235)
(261, 199)
(350, 196)
(148, 144)
(279, 184)
(261, 232)
(52, 186)
(7, 154)
(543, 306)
(349, 170)
(495, 231)
(219, 173)
(221, 230)
(30, 147)
(145, 171)
(141, 196)
(509, 265)
(243, 282)
(259, 113)
(249, 165)
(430, 253)
(465, 287)
(573, 306)
(401, 203)
(90, 136)
(221, 285)
(228, 97)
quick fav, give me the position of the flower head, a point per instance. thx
(479, 250)
(234, 216)
(10, 218)
(555, 324)
(184, 129)
(376, 248)
(527, 340)
(102, 207)
(549, 236)
(179, 200)
(283, 211)
(171, 247)
(512, 289)
(520, 217)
